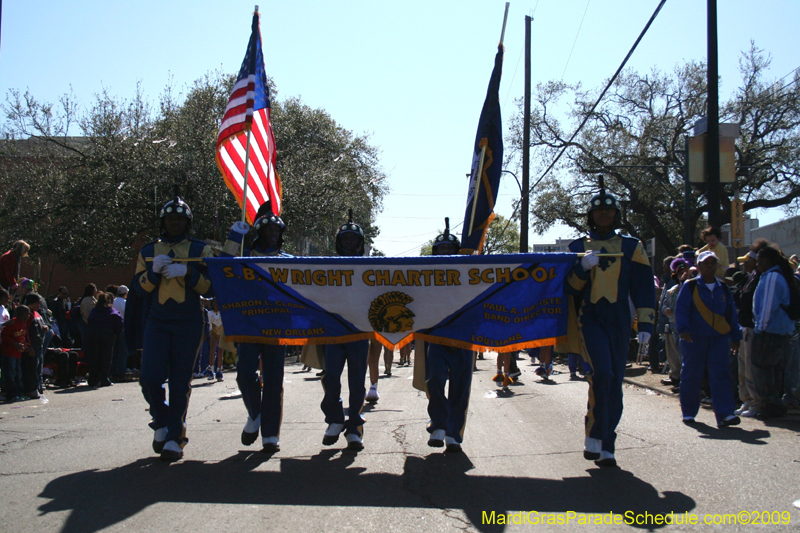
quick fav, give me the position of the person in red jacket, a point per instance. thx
(10, 263)
(15, 344)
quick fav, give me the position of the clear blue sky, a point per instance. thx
(411, 74)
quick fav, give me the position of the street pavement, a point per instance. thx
(82, 461)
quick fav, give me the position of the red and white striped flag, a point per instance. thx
(249, 110)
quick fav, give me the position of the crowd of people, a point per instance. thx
(724, 334)
(730, 331)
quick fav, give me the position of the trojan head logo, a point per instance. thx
(388, 312)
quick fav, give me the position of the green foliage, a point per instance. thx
(89, 200)
(635, 138)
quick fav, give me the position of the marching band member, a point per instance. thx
(448, 412)
(605, 286)
(264, 407)
(173, 330)
(349, 242)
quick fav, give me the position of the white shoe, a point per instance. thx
(372, 394)
(252, 426)
(437, 438)
(750, 413)
(172, 452)
(159, 439)
(744, 408)
(452, 445)
(250, 431)
(592, 448)
(270, 444)
(354, 441)
(606, 459)
(332, 434)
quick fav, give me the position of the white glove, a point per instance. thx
(175, 270)
(589, 261)
(644, 337)
(240, 227)
(161, 261)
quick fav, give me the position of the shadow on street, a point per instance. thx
(99, 499)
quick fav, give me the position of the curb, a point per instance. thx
(665, 392)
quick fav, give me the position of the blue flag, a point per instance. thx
(490, 135)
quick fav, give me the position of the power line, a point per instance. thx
(608, 86)
(576, 39)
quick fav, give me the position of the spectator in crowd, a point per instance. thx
(10, 263)
(706, 321)
(37, 330)
(773, 330)
(5, 315)
(712, 236)
(61, 305)
(104, 329)
(24, 286)
(743, 298)
(15, 345)
(681, 272)
(687, 252)
(86, 304)
(119, 362)
(120, 298)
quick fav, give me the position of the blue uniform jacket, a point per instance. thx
(771, 293)
(176, 298)
(702, 313)
(605, 289)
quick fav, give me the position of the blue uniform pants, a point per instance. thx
(702, 352)
(449, 413)
(268, 403)
(169, 352)
(355, 355)
(607, 346)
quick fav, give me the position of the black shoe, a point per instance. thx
(606, 463)
(169, 456)
(591, 456)
(670, 381)
(271, 448)
(321, 374)
(730, 421)
(249, 438)
(689, 421)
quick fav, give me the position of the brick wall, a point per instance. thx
(75, 280)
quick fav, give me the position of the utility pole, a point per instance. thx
(526, 143)
(712, 140)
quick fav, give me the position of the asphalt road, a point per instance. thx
(82, 461)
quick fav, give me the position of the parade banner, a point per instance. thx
(495, 302)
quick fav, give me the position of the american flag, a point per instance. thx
(249, 110)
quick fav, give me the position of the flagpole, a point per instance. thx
(244, 190)
(505, 17)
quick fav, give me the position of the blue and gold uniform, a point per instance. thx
(173, 331)
(264, 405)
(448, 413)
(349, 242)
(604, 317)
